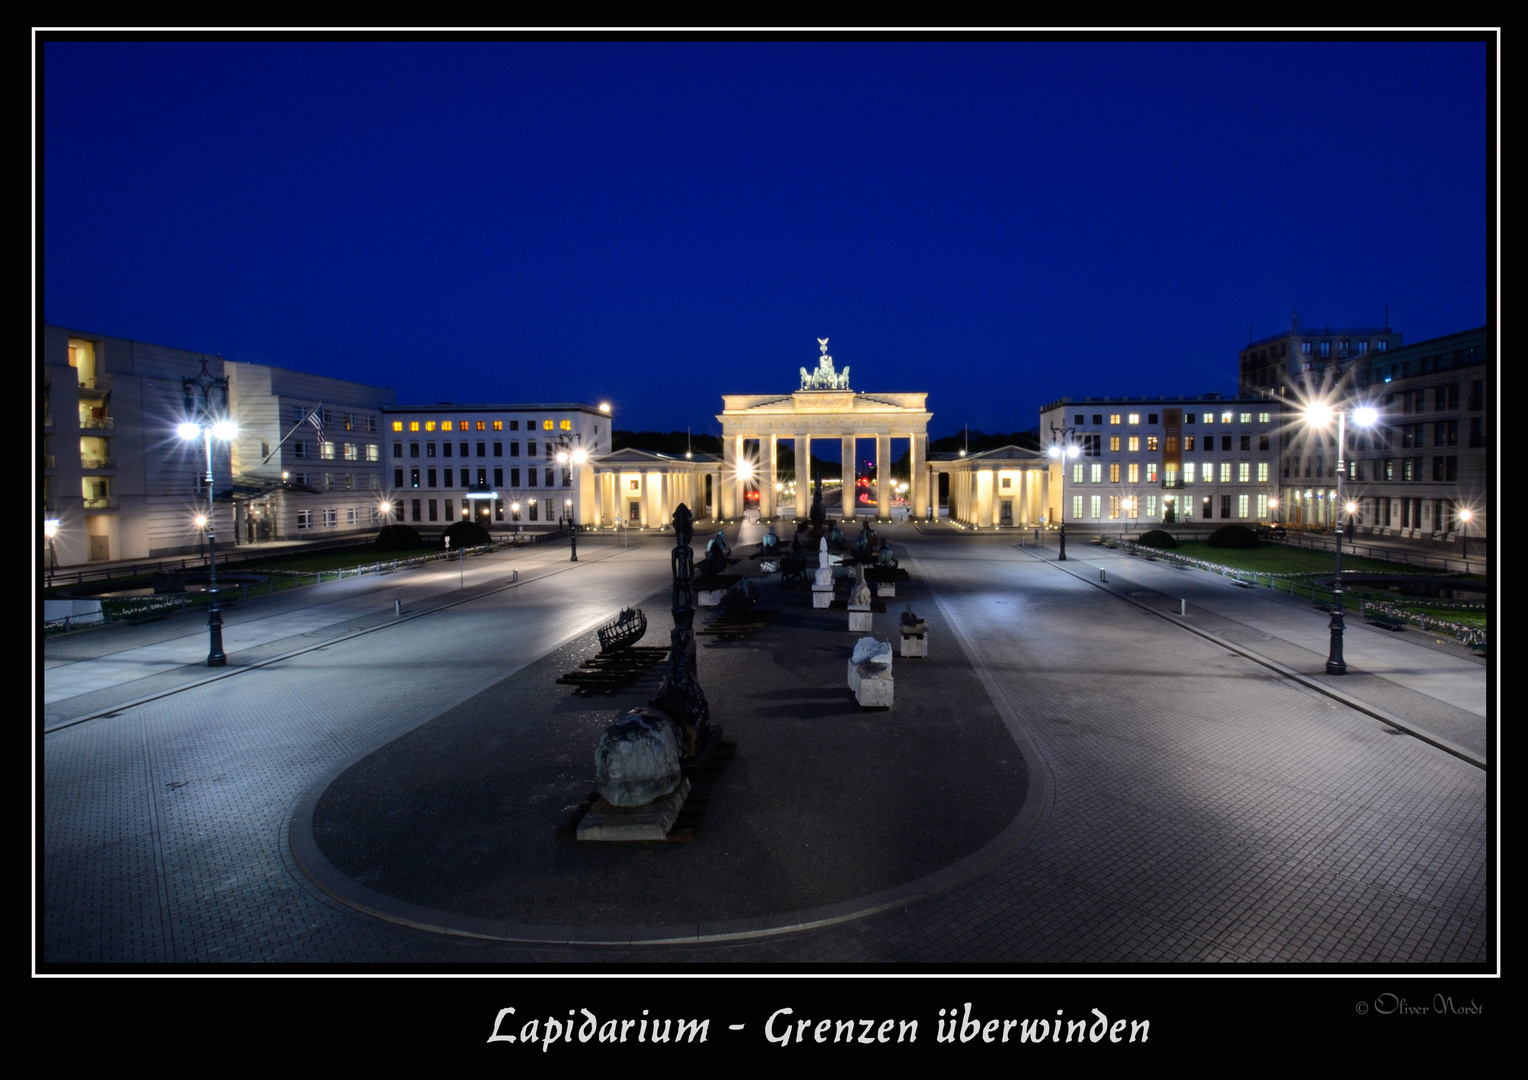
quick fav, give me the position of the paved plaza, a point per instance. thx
(1108, 761)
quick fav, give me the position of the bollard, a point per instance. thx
(1182, 607)
(1102, 576)
(514, 575)
(397, 608)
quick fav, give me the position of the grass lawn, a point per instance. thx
(1282, 559)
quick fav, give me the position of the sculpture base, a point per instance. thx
(651, 821)
(822, 598)
(915, 645)
(874, 687)
(860, 620)
(883, 590)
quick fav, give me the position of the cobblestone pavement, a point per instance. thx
(1188, 802)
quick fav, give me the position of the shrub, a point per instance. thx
(1158, 538)
(1233, 536)
(398, 538)
(467, 534)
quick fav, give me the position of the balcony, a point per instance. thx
(97, 463)
(100, 502)
(95, 423)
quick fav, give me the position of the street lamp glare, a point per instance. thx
(188, 430)
(1319, 414)
(224, 429)
(1365, 416)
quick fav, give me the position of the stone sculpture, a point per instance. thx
(680, 697)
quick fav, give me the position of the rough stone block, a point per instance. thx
(915, 645)
(876, 688)
(860, 621)
(709, 597)
(637, 759)
(650, 821)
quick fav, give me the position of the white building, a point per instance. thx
(1152, 460)
(500, 465)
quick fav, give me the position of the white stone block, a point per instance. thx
(886, 589)
(915, 645)
(709, 597)
(860, 621)
(822, 598)
(876, 688)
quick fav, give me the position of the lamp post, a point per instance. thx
(50, 530)
(208, 419)
(569, 453)
(1318, 416)
(1060, 452)
(1465, 517)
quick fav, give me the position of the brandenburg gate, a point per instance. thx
(824, 408)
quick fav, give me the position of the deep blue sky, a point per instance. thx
(998, 224)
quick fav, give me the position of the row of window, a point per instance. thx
(1135, 507)
(1079, 419)
(448, 449)
(1444, 467)
(479, 425)
(329, 451)
(446, 509)
(336, 418)
(1134, 473)
(353, 515)
(445, 476)
(336, 481)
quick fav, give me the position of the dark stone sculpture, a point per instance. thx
(817, 514)
(680, 697)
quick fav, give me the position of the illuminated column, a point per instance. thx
(803, 476)
(768, 475)
(728, 492)
(850, 497)
(883, 477)
(917, 480)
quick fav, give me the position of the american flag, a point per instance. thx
(316, 419)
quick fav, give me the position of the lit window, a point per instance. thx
(1096, 504)
(1188, 472)
(1209, 418)
(1151, 473)
(1113, 472)
(1133, 473)
(1262, 506)
(372, 452)
(1114, 443)
(1077, 507)
(1243, 473)
(1225, 418)
(498, 425)
(566, 425)
(352, 452)
(1096, 473)
(1151, 442)
(326, 451)
(1188, 442)
(1077, 473)
(1225, 472)
(1135, 418)
(547, 425)
(1246, 418)
(429, 425)
(1262, 418)
(1135, 444)
(1151, 507)
(397, 425)
(1113, 419)
(413, 425)
(1241, 506)
(445, 425)
(480, 425)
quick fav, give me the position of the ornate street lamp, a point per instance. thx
(1465, 517)
(50, 530)
(207, 409)
(1318, 416)
(1062, 448)
(571, 454)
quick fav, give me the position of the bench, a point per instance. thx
(1389, 622)
(1478, 648)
